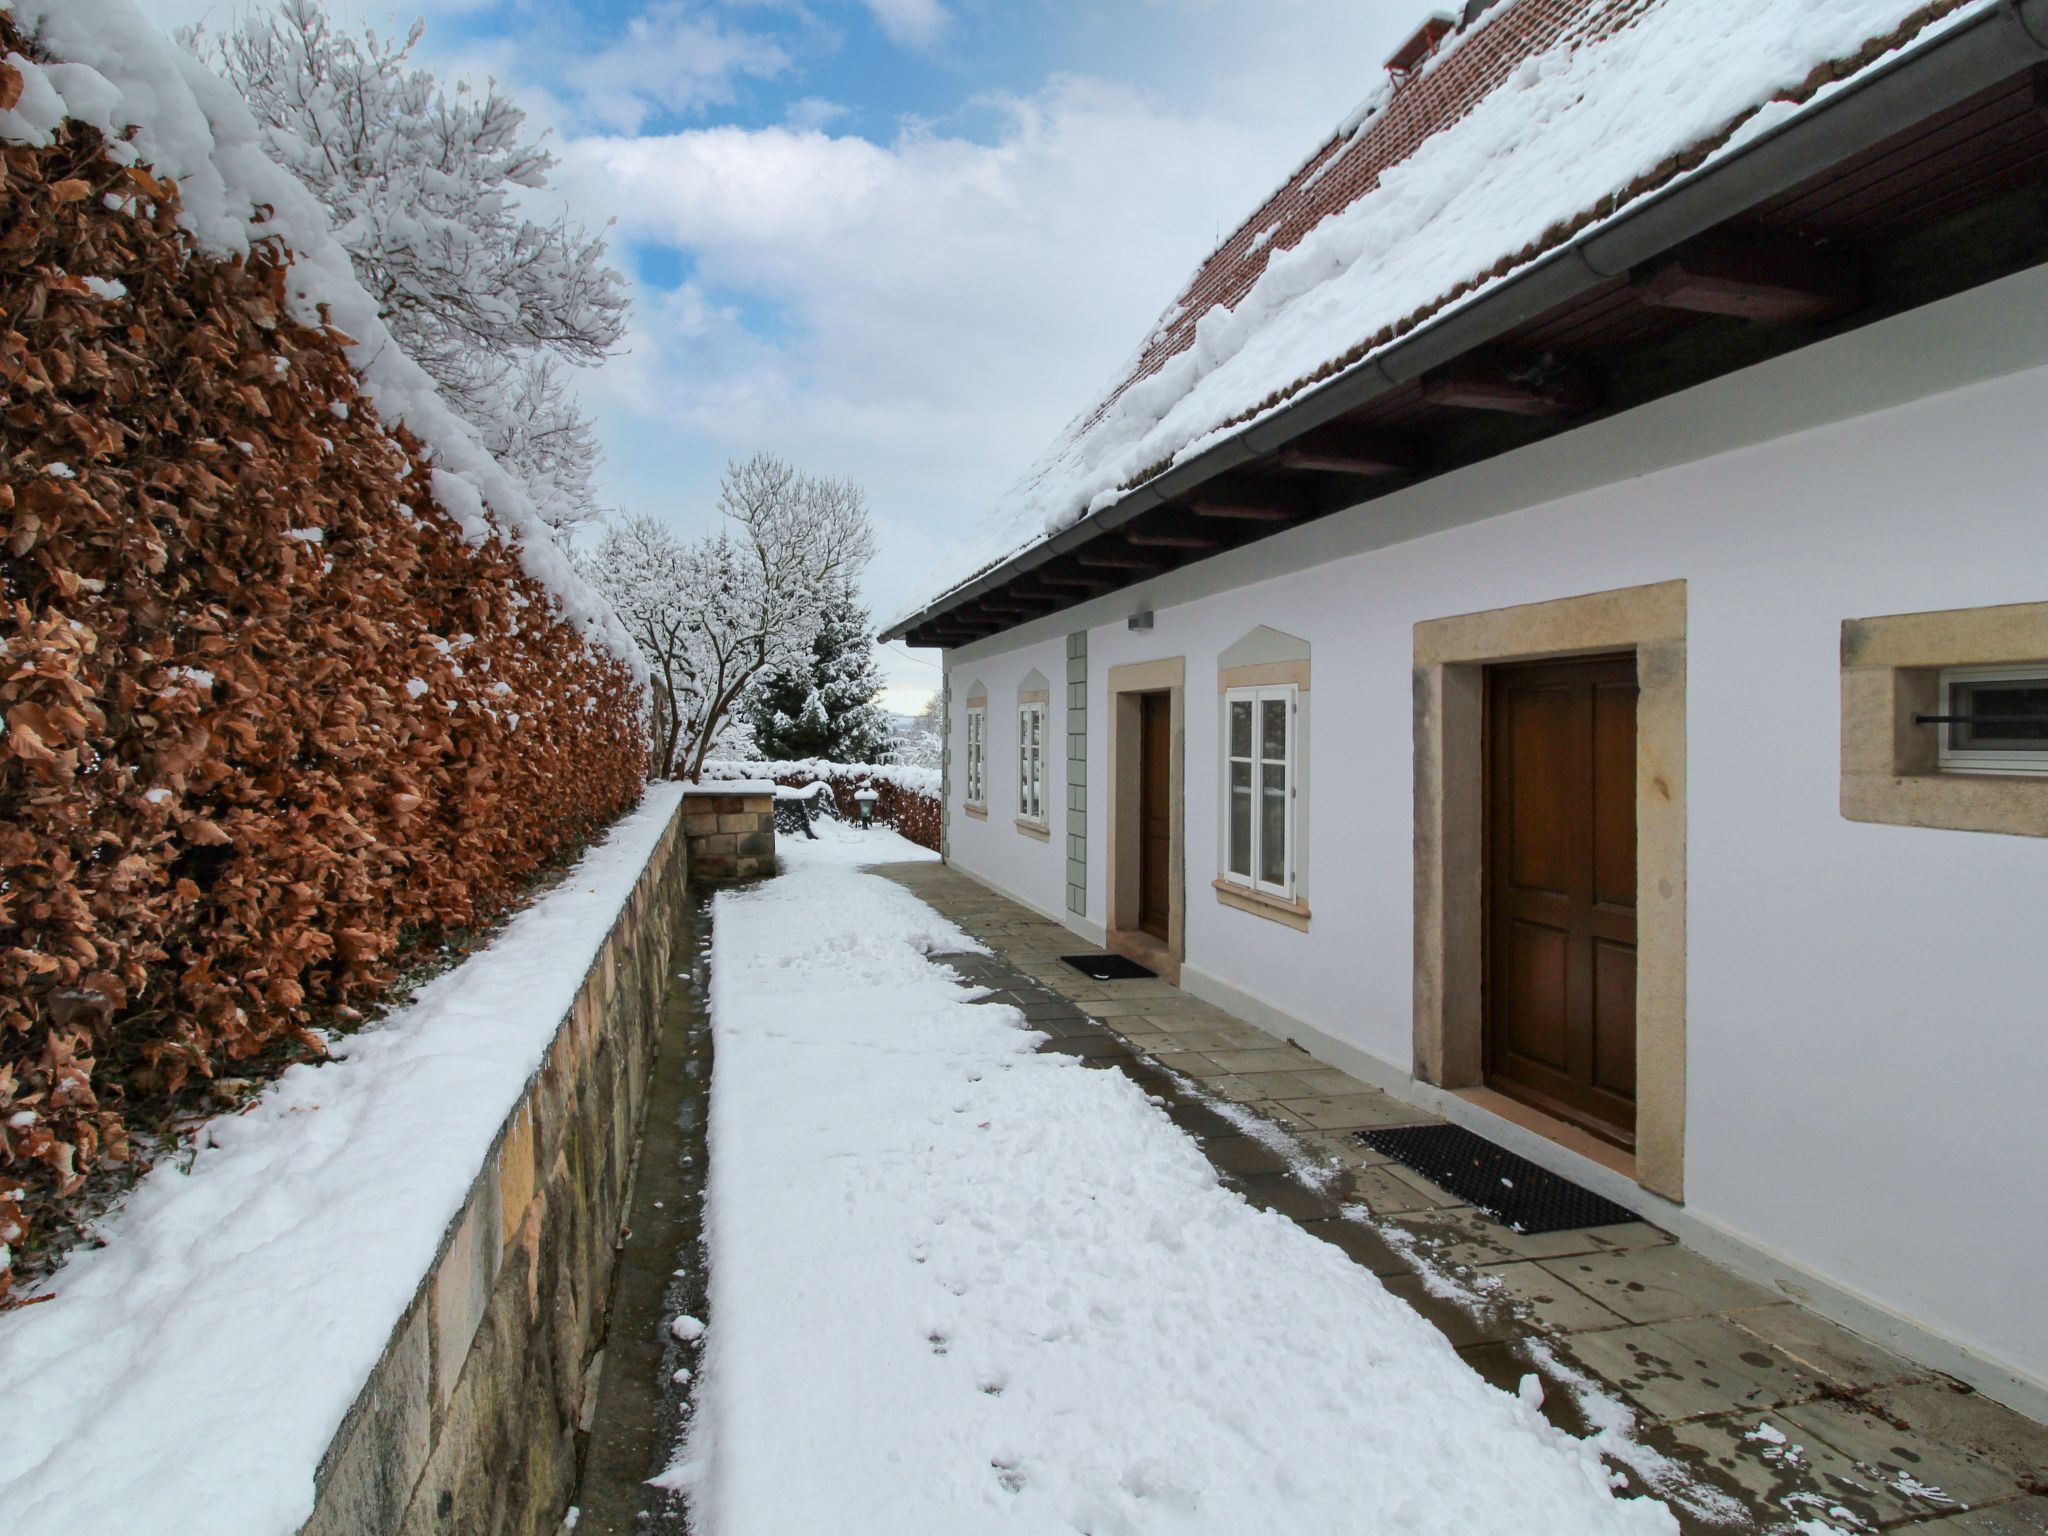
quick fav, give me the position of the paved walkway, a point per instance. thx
(1742, 1409)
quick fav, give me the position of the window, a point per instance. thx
(977, 754)
(1992, 720)
(1259, 788)
(1031, 761)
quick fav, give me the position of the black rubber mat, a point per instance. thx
(1108, 967)
(1510, 1189)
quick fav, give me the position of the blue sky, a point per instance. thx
(903, 240)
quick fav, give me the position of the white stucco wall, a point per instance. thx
(1032, 870)
(1867, 1036)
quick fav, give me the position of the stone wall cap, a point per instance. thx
(731, 787)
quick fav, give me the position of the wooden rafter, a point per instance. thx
(1516, 383)
(1774, 282)
(1349, 450)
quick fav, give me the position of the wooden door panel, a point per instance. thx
(1614, 796)
(1614, 1019)
(1155, 813)
(1540, 730)
(1537, 968)
(1560, 882)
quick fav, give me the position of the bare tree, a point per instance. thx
(717, 615)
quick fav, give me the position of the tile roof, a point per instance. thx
(1532, 125)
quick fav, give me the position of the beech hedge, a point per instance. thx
(272, 725)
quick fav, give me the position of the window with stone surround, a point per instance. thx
(1945, 719)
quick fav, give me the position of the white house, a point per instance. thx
(1555, 622)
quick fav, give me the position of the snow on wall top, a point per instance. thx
(1538, 116)
(110, 68)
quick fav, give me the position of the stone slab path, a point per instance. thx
(1742, 1409)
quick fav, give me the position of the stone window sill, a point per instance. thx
(1037, 829)
(1290, 914)
(978, 812)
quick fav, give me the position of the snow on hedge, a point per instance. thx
(1564, 134)
(113, 70)
(189, 1375)
(958, 1286)
(911, 780)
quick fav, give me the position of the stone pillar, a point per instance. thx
(729, 829)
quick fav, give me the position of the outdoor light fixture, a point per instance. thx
(865, 798)
(1140, 620)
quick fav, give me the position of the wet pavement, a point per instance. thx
(1743, 1410)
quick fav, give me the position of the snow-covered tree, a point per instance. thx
(718, 614)
(425, 187)
(926, 745)
(825, 706)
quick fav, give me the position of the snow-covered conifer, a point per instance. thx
(825, 706)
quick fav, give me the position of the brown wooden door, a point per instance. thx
(1155, 812)
(1561, 890)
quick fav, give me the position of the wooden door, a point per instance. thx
(1561, 890)
(1155, 812)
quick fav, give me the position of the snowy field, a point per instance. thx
(188, 1376)
(958, 1287)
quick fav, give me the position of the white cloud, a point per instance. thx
(673, 55)
(922, 314)
(913, 23)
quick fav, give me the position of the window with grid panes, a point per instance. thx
(1031, 762)
(977, 757)
(1259, 788)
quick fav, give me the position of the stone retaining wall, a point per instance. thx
(731, 831)
(470, 1422)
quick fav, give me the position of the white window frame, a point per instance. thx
(1950, 759)
(1291, 777)
(977, 756)
(1031, 762)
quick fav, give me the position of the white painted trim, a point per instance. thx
(1984, 333)
(1766, 1266)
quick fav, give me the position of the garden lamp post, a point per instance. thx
(865, 798)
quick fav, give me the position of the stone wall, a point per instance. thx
(470, 1423)
(731, 831)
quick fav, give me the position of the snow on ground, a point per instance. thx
(189, 1375)
(1562, 135)
(959, 1287)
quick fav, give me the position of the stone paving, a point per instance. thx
(1742, 1409)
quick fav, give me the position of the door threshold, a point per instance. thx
(1571, 1137)
(1136, 944)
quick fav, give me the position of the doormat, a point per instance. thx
(1108, 967)
(1510, 1189)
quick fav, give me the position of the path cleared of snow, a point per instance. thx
(188, 1376)
(957, 1286)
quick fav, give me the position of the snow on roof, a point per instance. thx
(1530, 129)
(110, 68)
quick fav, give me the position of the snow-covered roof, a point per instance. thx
(109, 67)
(1529, 129)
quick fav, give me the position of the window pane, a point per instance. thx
(1241, 819)
(1273, 825)
(1241, 728)
(1273, 729)
(2007, 716)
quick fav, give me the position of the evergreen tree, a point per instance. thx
(826, 709)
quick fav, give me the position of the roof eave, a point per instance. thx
(1918, 81)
